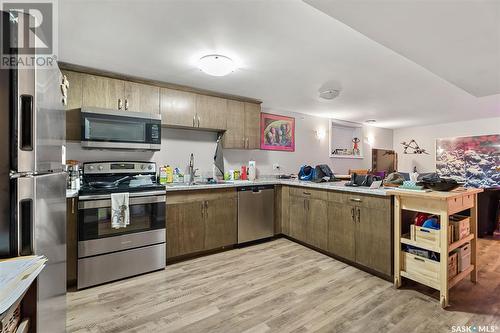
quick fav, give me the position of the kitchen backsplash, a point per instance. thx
(178, 144)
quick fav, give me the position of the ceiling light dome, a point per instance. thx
(216, 65)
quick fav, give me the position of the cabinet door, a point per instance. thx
(142, 98)
(185, 228)
(211, 112)
(317, 223)
(221, 223)
(74, 104)
(252, 125)
(234, 137)
(177, 108)
(374, 239)
(102, 92)
(71, 240)
(298, 218)
(285, 210)
(341, 230)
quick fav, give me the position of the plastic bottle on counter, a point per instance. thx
(252, 171)
(163, 175)
(170, 174)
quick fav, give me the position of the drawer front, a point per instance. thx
(427, 236)
(368, 201)
(308, 193)
(458, 204)
(119, 265)
(421, 269)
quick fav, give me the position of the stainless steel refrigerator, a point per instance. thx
(32, 181)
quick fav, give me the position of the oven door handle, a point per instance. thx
(90, 204)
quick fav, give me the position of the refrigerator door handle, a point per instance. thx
(26, 232)
(26, 126)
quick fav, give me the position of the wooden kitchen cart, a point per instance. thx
(429, 272)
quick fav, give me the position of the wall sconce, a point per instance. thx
(320, 133)
(370, 139)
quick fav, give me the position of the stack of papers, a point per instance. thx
(16, 276)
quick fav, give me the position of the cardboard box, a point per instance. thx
(452, 265)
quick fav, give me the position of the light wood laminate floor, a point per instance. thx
(281, 286)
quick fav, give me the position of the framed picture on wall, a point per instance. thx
(277, 132)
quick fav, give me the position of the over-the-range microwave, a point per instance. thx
(114, 129)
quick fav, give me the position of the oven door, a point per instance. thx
(103, 128)
(94, 217)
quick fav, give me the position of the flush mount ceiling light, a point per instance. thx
(216, 65)
(329, 94)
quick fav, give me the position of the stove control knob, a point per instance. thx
(150, 167)
(100, 167)
(91, 167)
(143, 166)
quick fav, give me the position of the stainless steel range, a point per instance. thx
(106, 253)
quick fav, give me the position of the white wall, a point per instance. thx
(426, 138)
(178, 144)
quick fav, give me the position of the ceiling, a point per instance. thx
(287, 51)
(457, 40)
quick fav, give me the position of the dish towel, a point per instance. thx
(120, 214)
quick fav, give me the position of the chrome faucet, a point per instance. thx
(192, 170)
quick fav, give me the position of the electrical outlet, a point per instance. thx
(276, 167)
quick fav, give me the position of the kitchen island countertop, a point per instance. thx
(334, 186)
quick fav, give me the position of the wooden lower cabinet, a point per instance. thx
(185, 228)
(221, 222)
(357, 227)
(298, 218)
(317, 223)
(309, 219)
(201, 220)
(373, 239)
(71, 240)
(341, 230)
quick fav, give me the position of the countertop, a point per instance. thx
(334, 186)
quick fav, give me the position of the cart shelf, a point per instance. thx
(442, 204)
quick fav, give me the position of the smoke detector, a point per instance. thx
(329, 94)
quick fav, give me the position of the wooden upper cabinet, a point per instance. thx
(74, 103)
(103, 92)
(234, 137)
(141, 98)
(252, 125)
(243, 125)
(177, 108)
(211, 112)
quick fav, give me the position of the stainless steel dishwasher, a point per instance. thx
(255, 212)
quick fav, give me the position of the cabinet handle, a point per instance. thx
(352, 214)
(72, 205)
(202, 210)
(194, 119)
(198, 121)
(355, 199)
(307, 193)
(359, 215)
(206, 209)
(308, 205)
(126, 104)
(419, 259)
(120, 104)
(248, 143)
